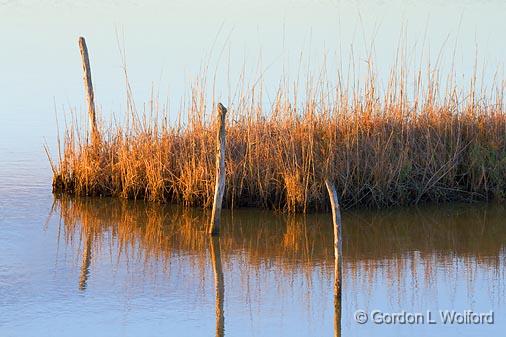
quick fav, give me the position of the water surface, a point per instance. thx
(115, 268)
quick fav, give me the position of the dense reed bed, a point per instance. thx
(411, 140)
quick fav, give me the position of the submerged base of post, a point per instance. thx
(214, 229)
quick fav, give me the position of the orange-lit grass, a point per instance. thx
(381, 148)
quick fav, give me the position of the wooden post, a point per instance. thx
(88, 88)
(219, 285)
(219, 188)
(338, 252)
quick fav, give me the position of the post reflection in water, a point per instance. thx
(337, 298)
(412, 257)
(85, 266)
(219, 284)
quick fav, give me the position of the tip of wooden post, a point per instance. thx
(82, 42)
(221, 108)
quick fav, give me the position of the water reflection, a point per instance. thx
(337, 298)
(398, 236)
(85, 266)
(219, 285)
(160, 231)
(407, 258)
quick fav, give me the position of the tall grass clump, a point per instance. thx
(415, 139)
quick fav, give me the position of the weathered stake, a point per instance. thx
(88, 89)
(338, 252)
(219, 189)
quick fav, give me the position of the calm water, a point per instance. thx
(110, 268)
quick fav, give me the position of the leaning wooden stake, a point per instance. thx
(219, 189)
(88, 88)
(338, 251)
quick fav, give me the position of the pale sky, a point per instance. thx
(168, 41)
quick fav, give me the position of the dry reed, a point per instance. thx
(381, 147)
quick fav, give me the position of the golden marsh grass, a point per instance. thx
(411, 142)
